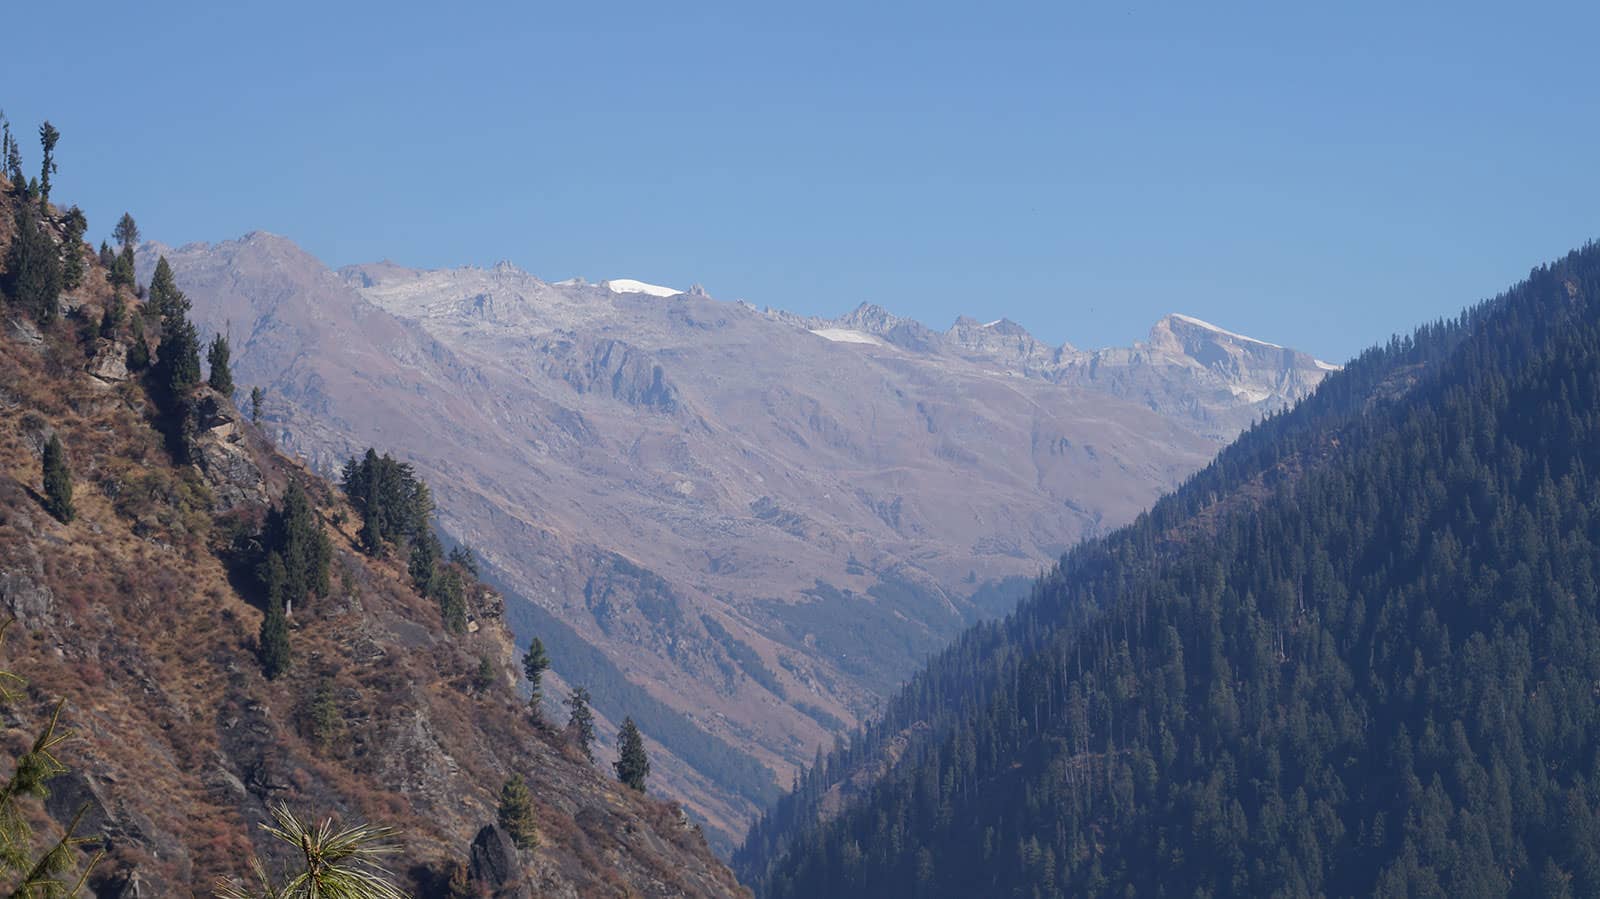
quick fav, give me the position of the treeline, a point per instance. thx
(1357, 655)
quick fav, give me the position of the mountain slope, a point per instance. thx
(763, 523)
(1354, 656)
(142, 613)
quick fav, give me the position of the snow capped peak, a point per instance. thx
(628, 285)
(1199, 323)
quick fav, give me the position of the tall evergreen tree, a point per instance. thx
(57, 481)
(273, 641)
(256, 397)
(111, 321)
(32, 279)
(139, 348)
(632, 764)
(13, 161)
(178, 360)
(221, 377)
(516, 812)
(580, 723)
(534, 664)
(126, 232)
(165, 299)
(48, 135)
(73, 226)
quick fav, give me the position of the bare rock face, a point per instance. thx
(109, 365)
(20, 329)
(223, 455)
(24, 595)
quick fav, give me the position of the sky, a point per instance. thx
(1320, 178)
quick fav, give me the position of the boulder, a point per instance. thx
(495, 865)
(110, 363)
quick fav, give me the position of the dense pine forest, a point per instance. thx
(1357, 655)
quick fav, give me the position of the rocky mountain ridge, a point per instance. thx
(746, 531)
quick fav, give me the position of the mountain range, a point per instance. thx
(1356, 655)
(741, 527)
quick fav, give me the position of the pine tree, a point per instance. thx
(256, 396)
(580, 724)
(112, 320)
(127, 232)
(13, 162)
(166, 300)
(321, 716)
(534, 664)
(139, 349)
(632, 764)
(48, 135)
(516, 812)
(178, 359)
(57, 481)
(221, 379)
(330, 864)
(273, 642)
(485, 677)
(32, 278)
(73, 226)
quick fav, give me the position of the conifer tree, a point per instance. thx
(516, 812)
(112, 320)
(13, 162)
(534, 664)
(632, 764)
(57, 481)
(5, 144)
(48, 135)
(256, 396)
(322, 717)
(221, 378)
(73, 226)
(329, 863)
(127, 233)
(32, 278)
(139, 349)
(166, 300)
(580, 724)
(177, 359)
(273, 642)
(484, 679)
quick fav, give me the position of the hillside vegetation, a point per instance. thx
(230, 633)
(1357, 655)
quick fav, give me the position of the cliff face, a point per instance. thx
(138, 615)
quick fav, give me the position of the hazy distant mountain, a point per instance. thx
(762, 522)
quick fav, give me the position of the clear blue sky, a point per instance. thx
(1319, 178)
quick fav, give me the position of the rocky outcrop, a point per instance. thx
(496, 867)
(223, 454)
(109, 365)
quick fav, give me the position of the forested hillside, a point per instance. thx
(1357, 655)
(212, 637)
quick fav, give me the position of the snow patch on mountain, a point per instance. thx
(846, 335)
(628, 285)
(1199, 323)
